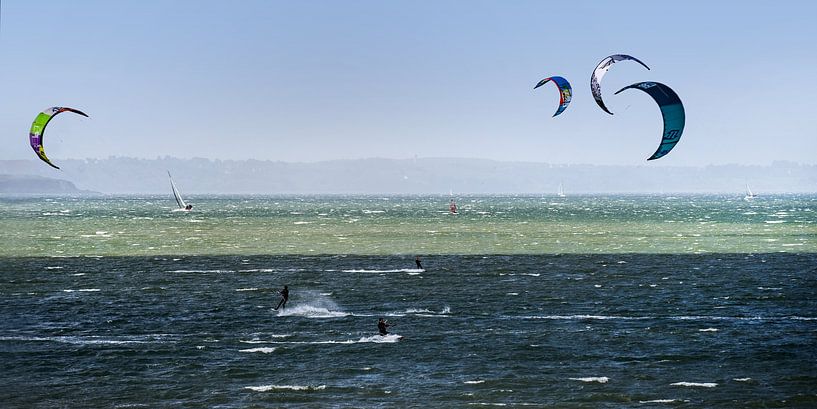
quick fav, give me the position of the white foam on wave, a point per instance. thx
(674, 317)
(708, 330)
(92, 340)
(310, 311)
(200, 271)
(474, 382)
(54, 268)
(247, 289)
(260, 341)
(267, 388)
(380, 339)
(659, 401)
(83, 290)
(696, 384)
(400, 270)
(377, 339)
(583, 317)
(266, 350)
(599, 379)
(741, 379)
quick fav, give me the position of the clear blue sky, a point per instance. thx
(318, 80)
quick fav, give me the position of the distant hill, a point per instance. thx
(408, 176)
(31, 184)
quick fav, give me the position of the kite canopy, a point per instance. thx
(38, 127)
(565, 91)
(601, 69)
(671, 109)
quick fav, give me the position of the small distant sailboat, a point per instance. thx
(179, 201)
(749, 194)
(561, 191)
(452, 207)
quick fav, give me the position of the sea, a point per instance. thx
(595, 301)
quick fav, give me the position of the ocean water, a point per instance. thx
(689, 301)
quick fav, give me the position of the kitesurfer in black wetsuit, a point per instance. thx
(382, 325)
(417, 261)
(284, 297)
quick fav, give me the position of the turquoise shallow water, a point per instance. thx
(524, 302)
(408, 225)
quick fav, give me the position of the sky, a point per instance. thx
(307, 81)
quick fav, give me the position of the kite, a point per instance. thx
(38, 127)
(565, 92)
(601, 69)
(671, 109)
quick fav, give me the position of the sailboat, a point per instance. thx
(561, 191)
(749, 194)
(179, 201)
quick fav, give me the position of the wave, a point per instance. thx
(267, 388)
(266, 350)
(696, 384)
(377, 339)
(89, 340)
(260, 341)
(661, 401)
(599, 379)
(311, 312)
(400, 270)
(658, 317)
(247, 289)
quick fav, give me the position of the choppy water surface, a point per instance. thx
(119, 304)
(408, 225)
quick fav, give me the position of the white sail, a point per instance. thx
(176, 194)
(561, 192)
(749, 194)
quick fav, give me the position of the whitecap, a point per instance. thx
(599, 379)
(266, 388)
(658, 401)
(390, 338)
(474, 382)
(311, 312)
(708, 330)
(247, 289)
(696, 384)
(262, 350)
(401, 270)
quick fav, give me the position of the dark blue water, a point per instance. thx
(623, 330)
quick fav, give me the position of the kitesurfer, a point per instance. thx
(284, 297)
(382, 325)
(417, 261)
